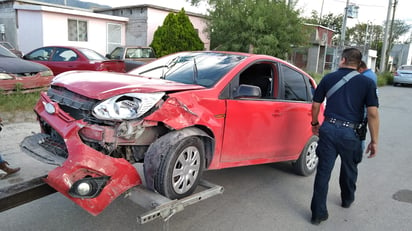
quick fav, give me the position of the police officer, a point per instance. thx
(343, 113)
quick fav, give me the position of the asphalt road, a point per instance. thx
(264, 197)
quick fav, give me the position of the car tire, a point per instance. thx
(308, 161)
(181, 168)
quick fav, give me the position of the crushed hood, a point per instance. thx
(102, 85)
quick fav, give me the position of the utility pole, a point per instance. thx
(338, 52)
(388, 51)
(382, 66)
(343, 30)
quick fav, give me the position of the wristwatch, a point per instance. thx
(314, 124)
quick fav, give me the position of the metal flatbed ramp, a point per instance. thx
(22, 193)
(159, 206)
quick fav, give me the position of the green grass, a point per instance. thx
(18, 101)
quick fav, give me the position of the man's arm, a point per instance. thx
(373, 124)
(315, 116)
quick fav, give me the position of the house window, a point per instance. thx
(77, 30)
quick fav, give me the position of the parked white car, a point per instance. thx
(403, 75)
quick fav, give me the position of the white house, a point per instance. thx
(30, 24)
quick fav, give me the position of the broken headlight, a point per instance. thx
(126, 106)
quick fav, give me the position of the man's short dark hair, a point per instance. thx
(352, 56)
(363, 65)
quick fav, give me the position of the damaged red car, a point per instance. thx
(166, 122)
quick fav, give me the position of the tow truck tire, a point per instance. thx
(181, 168)
(308, 160)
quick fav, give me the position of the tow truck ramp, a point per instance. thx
(159, 206)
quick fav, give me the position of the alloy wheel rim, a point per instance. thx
(186, 170)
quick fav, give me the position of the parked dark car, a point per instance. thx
(16, 73)
(66, 58)
(176, 117)
(11, 48)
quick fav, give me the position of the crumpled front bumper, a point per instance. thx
(82, 161)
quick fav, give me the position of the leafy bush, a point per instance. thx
(176, 34)
(385, 78)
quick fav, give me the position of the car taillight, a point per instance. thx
(396, 73)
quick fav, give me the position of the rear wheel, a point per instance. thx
(308, 160)
(181, 168)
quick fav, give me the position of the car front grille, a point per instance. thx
(77, 106)
(26, 74)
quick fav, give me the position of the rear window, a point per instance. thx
(92, 55)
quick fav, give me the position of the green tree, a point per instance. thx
(176, 34)
(256, 26)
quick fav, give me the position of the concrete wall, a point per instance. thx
(8, 20)
(313, 59)
(30, 30)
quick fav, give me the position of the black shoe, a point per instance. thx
(318, 220)
(346, 205)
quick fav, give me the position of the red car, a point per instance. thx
(19, 74)
(173, 119)
(63, 58)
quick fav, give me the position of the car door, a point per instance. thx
(253, 125)
(64, 59)
(296, 92)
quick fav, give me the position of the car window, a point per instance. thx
(40, 54)
(139, 53)
(409, 68)
(260, 75)
(295, 85)
(6, 53)
(92, 55)
(117, 53)
(64, 54)
(7, 45)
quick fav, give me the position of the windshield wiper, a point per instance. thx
(152, 69)
(195, 71)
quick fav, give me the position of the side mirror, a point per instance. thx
(108, 56)
(248, 91)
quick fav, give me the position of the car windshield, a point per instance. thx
(7, 45)
(6, 53)
(202, 68)
(92, 55)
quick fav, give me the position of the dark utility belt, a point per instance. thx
(341, 123)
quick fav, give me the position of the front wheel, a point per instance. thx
(181, 168)
(308, 160)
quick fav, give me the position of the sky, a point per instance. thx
(370, 11)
